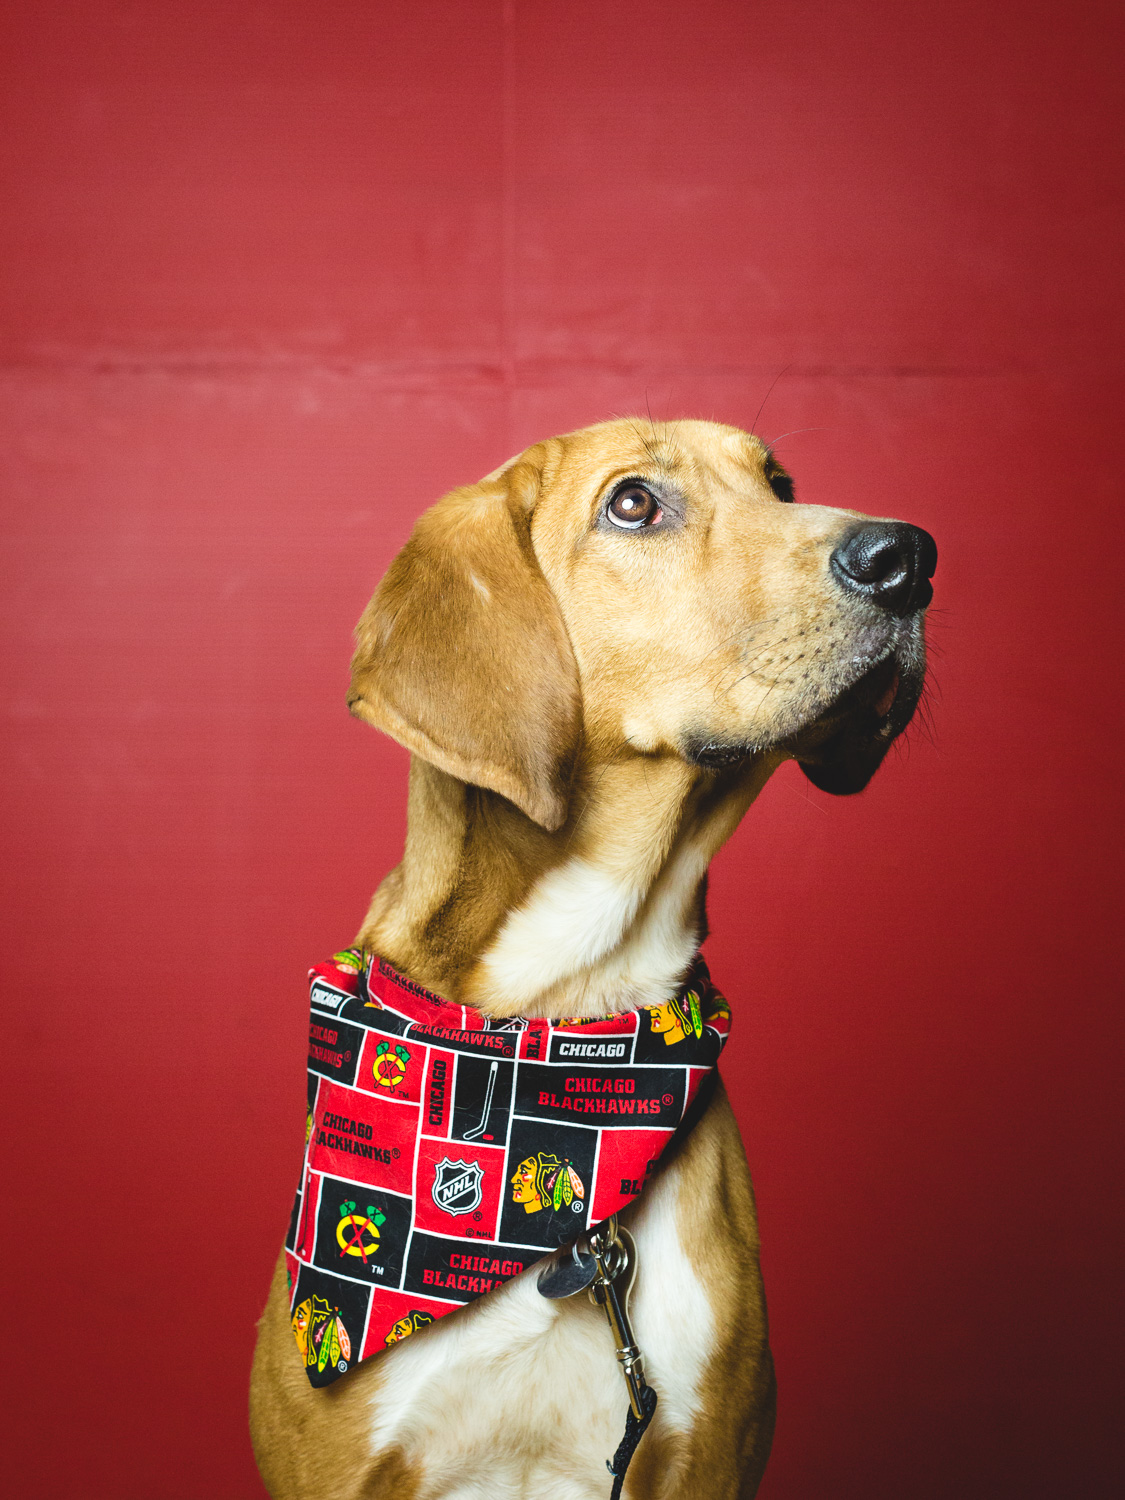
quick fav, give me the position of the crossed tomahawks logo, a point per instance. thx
(357, 1233)
(389, 1067)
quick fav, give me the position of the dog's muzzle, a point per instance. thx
(888, 565)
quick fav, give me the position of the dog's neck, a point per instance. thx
(606, 914)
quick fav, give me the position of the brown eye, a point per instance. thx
(634, 507)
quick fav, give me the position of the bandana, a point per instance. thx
(445, 1153)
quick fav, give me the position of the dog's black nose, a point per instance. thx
(889, 563)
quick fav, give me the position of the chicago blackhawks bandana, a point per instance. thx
(445, 1153)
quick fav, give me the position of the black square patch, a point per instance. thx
(361, 1232)
(549, 1183)
(328, 1318)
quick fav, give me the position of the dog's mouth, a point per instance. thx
(844, 748)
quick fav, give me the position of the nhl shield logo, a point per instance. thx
(457, 1186)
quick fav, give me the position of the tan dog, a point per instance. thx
(597, 656)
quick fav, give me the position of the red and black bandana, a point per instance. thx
(445, 1152)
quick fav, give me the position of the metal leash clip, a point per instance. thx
(606, 1268)
(616, 1256)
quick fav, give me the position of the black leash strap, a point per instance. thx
(635, 1429)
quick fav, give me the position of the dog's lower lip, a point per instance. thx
(885, 702)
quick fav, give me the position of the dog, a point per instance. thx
(597, 656)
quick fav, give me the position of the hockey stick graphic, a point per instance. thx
(478, 1129)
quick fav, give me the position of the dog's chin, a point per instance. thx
(845, 747)
(842, 748)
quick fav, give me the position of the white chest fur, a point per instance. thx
(517, 1397)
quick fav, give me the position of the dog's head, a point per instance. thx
(645, 590)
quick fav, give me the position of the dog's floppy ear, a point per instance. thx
(462, 655)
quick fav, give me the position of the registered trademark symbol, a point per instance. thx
(396, 1153)
(476, 1216)
(347, 1057)
(667, 1099)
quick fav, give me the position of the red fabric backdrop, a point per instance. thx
(274, 277)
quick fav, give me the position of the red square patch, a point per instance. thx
(395, 1316)
(378, 1151)
(622, 1164)
(438, 1096)
(459, 1188)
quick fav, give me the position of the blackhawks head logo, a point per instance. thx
(389, 1066)
(543, 1181)
(321, 1336)
(677, 1019)
(358, 1233)
(406, 1326)
(717, 1010)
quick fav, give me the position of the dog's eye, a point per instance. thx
(633, 507)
